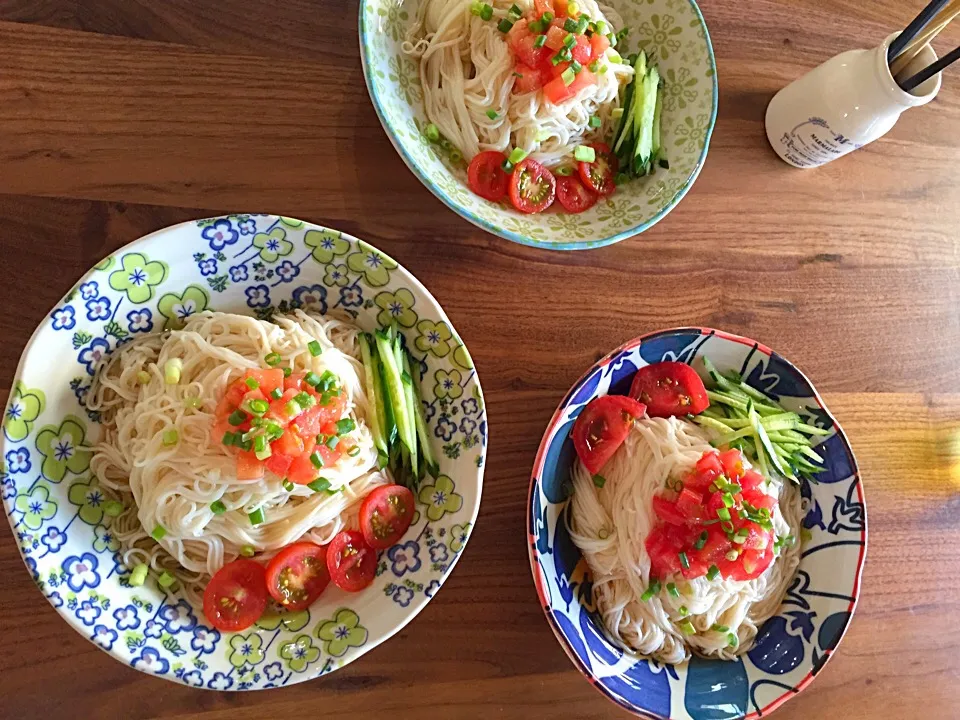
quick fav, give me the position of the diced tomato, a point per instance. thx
(278, 464)
(557, 92)
(234, 394)
(695, 567)
(551, 71)
(289, 444)
(751, 479)
(599, 44)
(278, 408)
(759, 499)
(330, 456)
(526, 51)
(668, 512)
(754, 563)
(555, 36)
(294, 382)
(542, 6)
(690, 505)
(732, 462)
(302, 471)
(601, 428)
(248, 467)
(664, 558)
(674, 389)
(714, 549)
(561, 7)
(268, 379)
(528, 79)
(582, 51)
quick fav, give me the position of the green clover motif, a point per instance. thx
(458, 536)
(440, 498)
(462, 358)
(448, 384)
(62, 448)
(291, 222)
(246, 649)
(336, 275)
(374, 266)
(292, 621)
(24, 407)
(177, 308)
(325, 245)
(104, 540)
(86, 493)
(36, 506)
(273, 245)
(300, 653)
(137, 277)
(396, 306)
(342, 633)
(434, 338)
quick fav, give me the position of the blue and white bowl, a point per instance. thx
(793, 645)
(252, 265)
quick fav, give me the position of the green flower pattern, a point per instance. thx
(63, 449)
(458, 536)
(326, 245)
(336, 275)
(375, 266)
(137, 276)
(36, 506)
(661, 36)
(23, 408)
(342, 633)
(440, 498)
(245, 650)
(291, 621)
(300, 653)
(396, 307)
(177, 308)
(405, 75)
(86, 493)
(448, 384)
(273, 245)
(434, 338)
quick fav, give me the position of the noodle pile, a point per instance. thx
(610, 525)
(173, 487)
(466, 69)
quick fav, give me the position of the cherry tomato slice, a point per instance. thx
(385, 515)
(532, 187)
(351, 562)
(298, 574)
(670, 389)
(598, 175)
(236, 595)
(485, 176)
(573, 196)
(602, 427)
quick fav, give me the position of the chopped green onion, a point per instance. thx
(113, 508)
(312, 379)
(505, 25)
(258, 406)
(614, 57)
(492, 114)
(726, 525)
(514, 12)
(292, 408)
(687, 628)
(193, 402)
(138, 576)
(247, 551)
(713, 572)
(540, 41)
(237, 417)
(314, 347)
(517, 155)
(728, 500)
(563, 171)
(259, 443)
(569, 41)
(319, 484)
(476, 7)
(171, 371)
(166, 579)
(582, 24)
(332, 442)
(272, 359)
(316, 460)
(256, 517)
(672, 589)
(720, 628)
(732, 555)
(701, 541)
(230, 438)
(570, 25)
(601, 27)
(288, 486)
(287, 372)
(276, 393)
(251, 383)
(536, 26)
(170, 437)
(143, 377)
(684, 561)
(547, 17)
(683, 610)
(593, 67)
(543, 135)
(305, 400)
(599, 480)
(732, 640)
(602, 70)
(486, 12)
(506, 166)
(568, 76)
(651, 591)
(585, 153)
(576, 66)
(354, 451)
(159, 532)
(723, 513)
(613, 43)
(346, 425)
(217, 507)
(274, 430)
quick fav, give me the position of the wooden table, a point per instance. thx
(119, 117)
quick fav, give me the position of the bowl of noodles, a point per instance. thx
(697, 527)
(556, 124)
(242, 452)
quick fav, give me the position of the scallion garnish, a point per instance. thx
(287, 485)
(684, 561)
(292, 408)
(732, 555)
(171, 371)
(354, 451)
(258, 406)
(568, 76)
(728, 500)
(346, 425)
(492, 114)
(582, 24)
(272, 359)
(569, 41)
(594, 121)
(601, 27)
(536, 26)
(563, 171)
(143, 377)
(170, 437)
(515, 12)
(732, 640)
(683, 610)
(247, 551)
(332, 442)
(720, 628)
(237, 417)
(251, 383)
(506, 166)
(651, 590)
(230, 438)
(723, 513)
(599, 480)
(159, 532)
(486, 12)
(193, 402)
(570, 25)
(319, 484)
(256, 517)
(217, 507)
(316, 459)
(287, 372)
(517, 155)
(547, 17)
(476, 7)
(687, 628)
(112, 508)
(672, 589)
(505, 25)
(540, 41)
(584, 153)
(305, 400)
(602, 70)
(701, 541)
(713, 572)
(276, 393)
(166, 579)
(576, 66)
(139, 575)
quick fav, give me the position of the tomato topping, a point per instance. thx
(732, 462)
(582, 51)
(485, 174)
(555, 36)
(573, 196)
(751, 479)
(268, 380)
(556, 91)
(670, 388)
(351, 562)
(668, 511)
(526, 51)
(236, 595)
(385, 515)
(690, 505)
(279, 465)
(527, 79)
(298, 574)
(542, 6)
(532, 187)
(599, 174)
(601, 428)
(561, 7)
(599, 44)
(248, 466)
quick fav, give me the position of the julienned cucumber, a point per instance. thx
(637, 142)
(398, 421)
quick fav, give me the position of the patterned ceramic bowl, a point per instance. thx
(254, 265)
(673, 29)
(793, 645)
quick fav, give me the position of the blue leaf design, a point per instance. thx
(590, 624)
(622, 370)
(557, 464)
(716, 689)
(680, 346)
(642, 687)
(777, 651)
(569, 631)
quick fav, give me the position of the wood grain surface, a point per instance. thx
(119, 117)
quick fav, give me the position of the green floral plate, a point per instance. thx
(255, 265)
(673, 30)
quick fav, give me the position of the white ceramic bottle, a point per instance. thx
(840, 106)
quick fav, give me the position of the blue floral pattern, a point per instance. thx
(64, 318)
(220, 234)
(140, 320)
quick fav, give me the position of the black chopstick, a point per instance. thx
(928, 72)
(918, 24)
